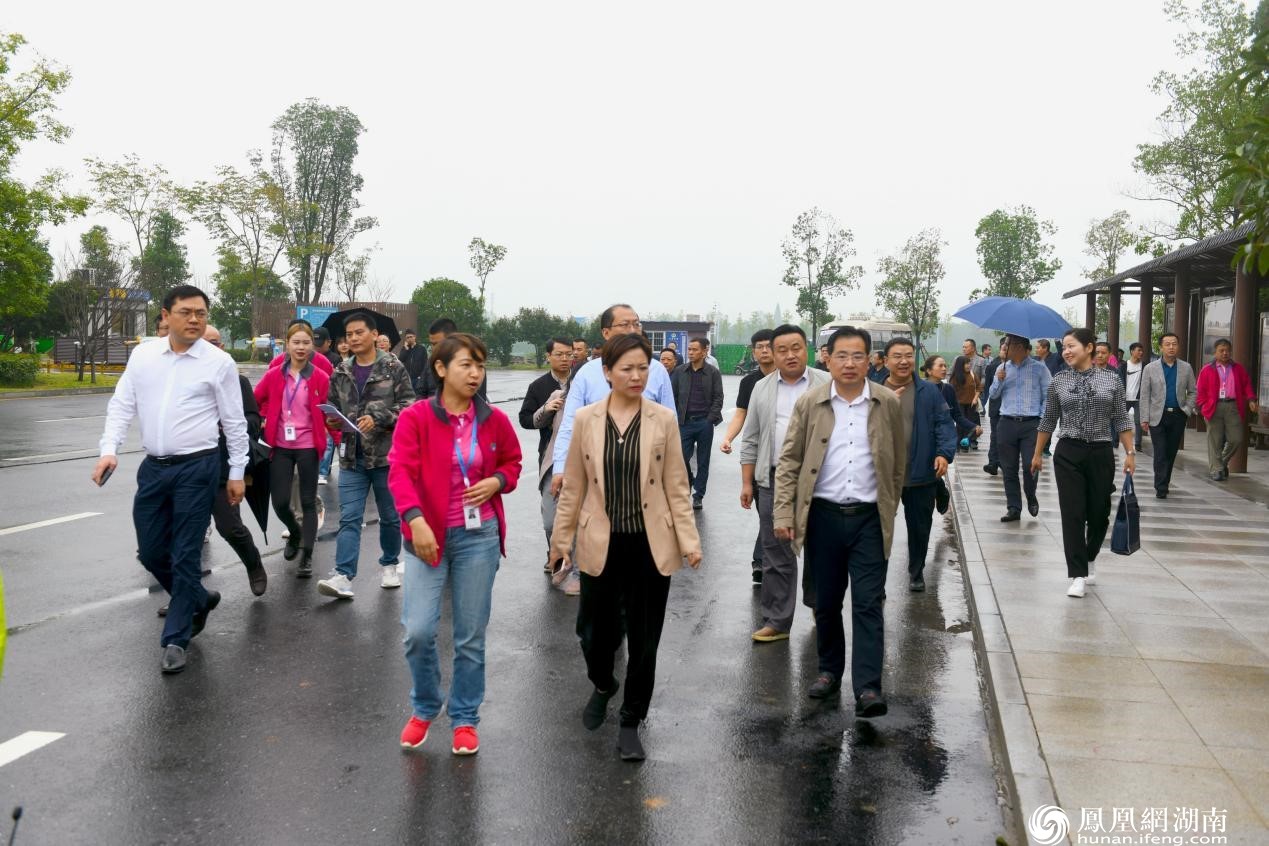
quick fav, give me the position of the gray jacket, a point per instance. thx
(755, 444)
(1154, 390)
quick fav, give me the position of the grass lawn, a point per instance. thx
(63, 381)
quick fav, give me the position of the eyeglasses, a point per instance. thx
(190, 314)
(902, 356)
(628, 324)
(843, 357)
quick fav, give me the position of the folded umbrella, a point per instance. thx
(387, 326)
(257, 493)
(1025, 318)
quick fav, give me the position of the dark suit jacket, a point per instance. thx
(682, 384)
(252, 412)
(535, 397)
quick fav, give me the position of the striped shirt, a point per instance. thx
(1089, 403)
(1023, 390)
(621, 477)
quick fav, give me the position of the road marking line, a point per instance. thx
(13, 530)
(63, 419)
(80, 452)
(26, 743)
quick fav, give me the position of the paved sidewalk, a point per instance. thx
(1153, 690)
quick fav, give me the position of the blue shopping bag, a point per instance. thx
(1125, 538)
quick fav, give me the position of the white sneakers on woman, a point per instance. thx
(1076, 589)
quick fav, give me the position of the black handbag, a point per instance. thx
(1125, 539)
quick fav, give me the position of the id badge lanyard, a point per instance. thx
(288, 428)
(471, 513)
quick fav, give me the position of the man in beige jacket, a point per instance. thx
(837, 489)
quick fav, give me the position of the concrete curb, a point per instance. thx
(56, 392)
(1026, 773)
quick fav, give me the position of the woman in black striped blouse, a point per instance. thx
(626, 497)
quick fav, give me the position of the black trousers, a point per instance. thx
(918, 513)
(847, 551)
(229, 526)
(1165, 441)
(1017, 445)
(631, 584)
(170, 512)
(1084, 473)
(993, 451)
(281, 470)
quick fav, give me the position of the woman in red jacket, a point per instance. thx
(453, 457)
(289, 397)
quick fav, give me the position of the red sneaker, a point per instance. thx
(466, 742)
(414, 733)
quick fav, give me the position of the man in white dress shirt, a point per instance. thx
(183, 391)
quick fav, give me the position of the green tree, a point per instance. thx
(538, 326)
(133, 192)
(163, 265)
(1013, 255)
(235, 209)
(237, 288)
(816, 253)
(909, 287)
(1106, 241)
(26, 267)
(314, 190)
(441, 297)
(1249, 159)
(82, 297)
(485, 256)
(501, 336)
(28, 100)
(1199, 127)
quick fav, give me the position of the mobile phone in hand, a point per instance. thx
(105, 476)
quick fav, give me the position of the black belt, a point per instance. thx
(692, 417)
(1227, 399)
(1074, 441)
(169, 460)
(1019, 418)
(850, 509)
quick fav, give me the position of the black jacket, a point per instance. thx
(682, 384)
(535, 397)
(415, 361)
(252, 412)
(989, 375)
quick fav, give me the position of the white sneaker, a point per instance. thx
(1091, 578)
(390, 578)
(1076, 589)
(286, 533)
(338, 586)
(323, 480)
(400, 568)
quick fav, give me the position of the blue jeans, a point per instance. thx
(323, 467)
(469, 564)
(354, 483)
(697, 436)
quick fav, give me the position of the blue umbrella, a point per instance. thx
(1025, 318)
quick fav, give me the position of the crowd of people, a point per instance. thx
(827, 453)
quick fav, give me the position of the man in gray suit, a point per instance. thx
(1167, 401)
(767, 421)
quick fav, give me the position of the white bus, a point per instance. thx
(880, 330)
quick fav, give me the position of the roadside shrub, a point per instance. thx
(18, 371)
(240, 355)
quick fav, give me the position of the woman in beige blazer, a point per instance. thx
(626, 497)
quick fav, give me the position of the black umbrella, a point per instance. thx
(387, 326)
(257, 479)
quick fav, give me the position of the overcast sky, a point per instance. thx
(656, 153)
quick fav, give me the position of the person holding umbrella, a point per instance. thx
(1089, 404)
(290, 398)
(1021, 385)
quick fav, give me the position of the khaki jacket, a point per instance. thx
(667, 502)
(806, 445)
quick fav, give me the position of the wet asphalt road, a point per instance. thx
(283, 729)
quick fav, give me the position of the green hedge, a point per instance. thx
(18, 371)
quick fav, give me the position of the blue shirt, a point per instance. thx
(589, 386)
(1024, 389)
(1169, 380)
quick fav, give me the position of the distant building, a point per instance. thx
(661, 332)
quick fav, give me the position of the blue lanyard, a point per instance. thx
(463, 465)
(299, 380)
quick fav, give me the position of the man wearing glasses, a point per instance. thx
(185, 392)
(589, 386)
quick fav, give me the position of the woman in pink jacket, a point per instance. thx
(453, 457)
(289, 396)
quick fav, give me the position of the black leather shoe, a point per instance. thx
(917, 585)
(697, 503)
(1033, 507)
(257, 577)
(596, 710)
(824, 686)
(1013, 515)
(305, 568)
(942, 498)
(163, 610)
(870, 704)
(629, 747)
(1160, 494)
(757, 574)
(292, 548)
(173, 659)
(991, 468)
(200, 617)
(1225, 474)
